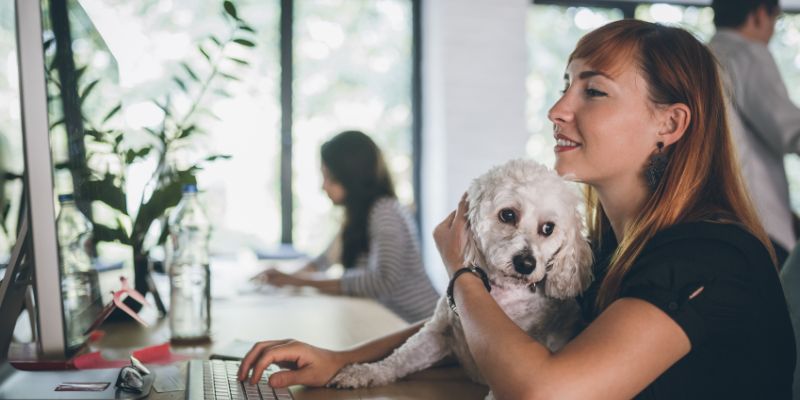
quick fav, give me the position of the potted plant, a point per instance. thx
(176, 128)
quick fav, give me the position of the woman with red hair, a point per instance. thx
(686, 301)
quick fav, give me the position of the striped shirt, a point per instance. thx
(391, 271)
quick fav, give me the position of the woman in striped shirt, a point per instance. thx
(378, 244)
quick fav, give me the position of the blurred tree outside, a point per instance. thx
(352, 71)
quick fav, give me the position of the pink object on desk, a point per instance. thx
(117, 302)
(158, 354)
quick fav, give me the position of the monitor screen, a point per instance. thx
(81, 80)
(73, 167)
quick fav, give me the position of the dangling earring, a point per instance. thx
(656, 167)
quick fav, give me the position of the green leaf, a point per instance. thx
(229, 76)
(186, 131)
(230, 9)
(203, 52)
(239, 61)
(52, 65)
(6, 209)
(215, 40)
(157, 134)
(132, 155)
(107, 192)
(98, 136)
(88, 89)
(57, 123)
(79, 73)
(190, 72)
(180, 84)
(113, 112)
(222, 92)
(219, 157)
(47, 43)
(103, 233)
(165, 196)
(244, 42)
(246, 28)
(164, 107)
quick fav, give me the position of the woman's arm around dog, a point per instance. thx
(628, 346)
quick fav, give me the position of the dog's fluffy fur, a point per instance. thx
(540, 302)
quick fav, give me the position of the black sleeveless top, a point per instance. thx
(738, 325)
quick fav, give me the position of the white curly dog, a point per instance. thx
(527, 234)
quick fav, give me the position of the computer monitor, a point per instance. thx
(42, 140)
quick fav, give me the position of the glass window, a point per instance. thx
(553, 32)
(184, 65)
(785, 46)
(11, 157)
(698, 20)
(352, 63)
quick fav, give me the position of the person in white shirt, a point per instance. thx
(764, 121)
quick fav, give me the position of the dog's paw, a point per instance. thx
(489, 396)
(358, 376)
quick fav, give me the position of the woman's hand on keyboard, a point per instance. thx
(277, 278)
(307, 365)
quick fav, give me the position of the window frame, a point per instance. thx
(287, 116)
(286, 96)
(628, 7)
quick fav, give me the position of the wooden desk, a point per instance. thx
(325, 321)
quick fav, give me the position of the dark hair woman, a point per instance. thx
(378, 244)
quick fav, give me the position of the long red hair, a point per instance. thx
(702, 179)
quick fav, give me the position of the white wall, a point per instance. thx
(474, 66)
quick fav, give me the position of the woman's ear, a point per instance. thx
(675, 120)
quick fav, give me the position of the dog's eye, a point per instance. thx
(547, 228)
(507, 216)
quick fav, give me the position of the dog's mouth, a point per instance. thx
(518, 280)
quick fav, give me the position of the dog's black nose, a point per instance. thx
(524, 263)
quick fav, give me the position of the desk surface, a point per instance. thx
(325, 321)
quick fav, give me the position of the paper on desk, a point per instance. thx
(168, 379)
(234, 350)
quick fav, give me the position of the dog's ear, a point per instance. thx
(475, 197)
(571, 271)
(472, 253)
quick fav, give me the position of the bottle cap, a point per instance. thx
(190, 188)
(66, 197)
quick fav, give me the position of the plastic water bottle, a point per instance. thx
(79, 281)
(74, 237)
(190, 286)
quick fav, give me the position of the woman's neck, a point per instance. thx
(621, 202)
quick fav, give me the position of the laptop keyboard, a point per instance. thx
(220, 382)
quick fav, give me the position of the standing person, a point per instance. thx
(686, 302)
(378, 243)
(764, 120)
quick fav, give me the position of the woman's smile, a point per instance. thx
(564, 143)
